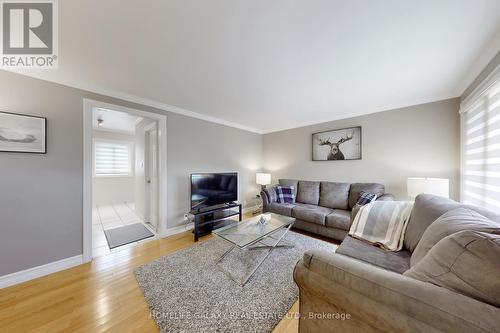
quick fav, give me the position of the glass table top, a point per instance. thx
(251, 230)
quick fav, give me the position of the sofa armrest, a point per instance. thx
(265, 201)
(386, 197)
(385, 300)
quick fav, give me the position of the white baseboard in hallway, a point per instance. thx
(39, 271)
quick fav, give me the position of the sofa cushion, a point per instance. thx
(398, 261)
(290, 182)
(311, 213)
(427, 209)
(281, 208)
(466, 262)
(339, 218)
(334, 195)
(272, 196)
(449, 223)
(308, 192)
(356, 188)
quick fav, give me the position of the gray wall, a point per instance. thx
(41, 195)
(421, 140)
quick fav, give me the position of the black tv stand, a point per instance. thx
(209, 219)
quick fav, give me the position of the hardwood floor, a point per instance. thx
(101, 296)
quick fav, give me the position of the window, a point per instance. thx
(480, 120)
(112, 158)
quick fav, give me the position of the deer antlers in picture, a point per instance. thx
(335, 153)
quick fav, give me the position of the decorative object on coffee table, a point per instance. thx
(341, 144)
(22, 133)
(247, 234)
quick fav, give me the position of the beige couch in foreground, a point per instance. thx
(366, 284)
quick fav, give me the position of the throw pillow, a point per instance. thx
(365, 198)
(450, 222)
(466, 262)
(271, 193)
(286, 194)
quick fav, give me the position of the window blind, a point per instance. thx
(480, 119)
(111, 159)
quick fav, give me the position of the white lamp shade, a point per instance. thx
(263, 178)
(436, 186)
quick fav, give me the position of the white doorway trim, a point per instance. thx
(148, 198)
(88, 106)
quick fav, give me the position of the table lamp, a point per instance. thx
(263, 179)
(436, 186)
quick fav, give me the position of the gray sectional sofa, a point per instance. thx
(382, 291)
(322, 208)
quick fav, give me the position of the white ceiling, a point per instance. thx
(114, 121)
(270, 65)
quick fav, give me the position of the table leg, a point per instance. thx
(224, 254)
(271, 248)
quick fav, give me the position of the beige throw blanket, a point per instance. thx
(382, 223)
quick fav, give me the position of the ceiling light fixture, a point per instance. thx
(99, 122)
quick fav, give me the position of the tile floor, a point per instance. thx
(108, 217)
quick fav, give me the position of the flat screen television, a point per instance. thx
(212, 189)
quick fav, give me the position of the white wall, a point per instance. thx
(420, 140)
(112, 190)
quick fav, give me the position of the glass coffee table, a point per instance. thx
(250, 234)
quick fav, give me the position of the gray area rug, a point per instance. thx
(127, 234)
(187, 292)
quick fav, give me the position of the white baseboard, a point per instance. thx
(39, 271)
(177, 230)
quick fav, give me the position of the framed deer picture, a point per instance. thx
(334, 145)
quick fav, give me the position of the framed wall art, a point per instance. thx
(334, 145)
(22, 133)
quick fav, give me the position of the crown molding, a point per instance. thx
(139, 100)
(479, 64)
(349, 115)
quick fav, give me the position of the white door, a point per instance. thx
(151, 173)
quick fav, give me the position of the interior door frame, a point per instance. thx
(88, 106)
(147, 189)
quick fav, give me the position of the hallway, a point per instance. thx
(112, 216)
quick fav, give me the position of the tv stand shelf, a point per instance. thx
(205, 221)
